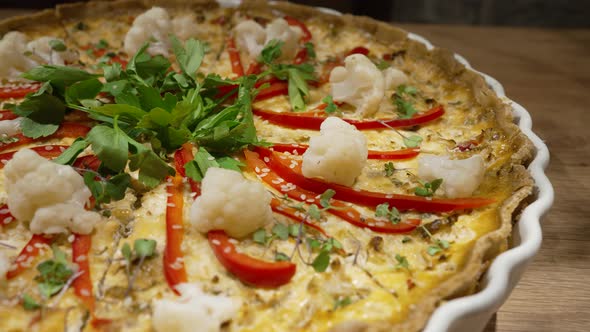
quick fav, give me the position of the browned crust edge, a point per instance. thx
(487, 247)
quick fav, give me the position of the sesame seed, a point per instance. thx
(266, 159)
(48, 148)
(7, 220)
(171, 205)
(71, 238)
(227, 250)
(85, 292)
(29, 249)
(176, 227)
(81, 258)
(216, 242)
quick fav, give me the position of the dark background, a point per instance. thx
(538, 13)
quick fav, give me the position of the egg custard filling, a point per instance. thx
(182, 166)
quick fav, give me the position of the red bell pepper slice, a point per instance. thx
(367, 198)
(275, 89)
(181, 157)
(83, 283)
(17, 91)
(174, 269)
(66, 129)
(234, 57)
(7, 115)
(47, 151)
(255, 68)
(29, 251)
(247, 269)
(342, 210)
(301, 56)
(5, 216)
(87, 162)
(380, 155)
(306, 35)
(358, 50)
(313, 120)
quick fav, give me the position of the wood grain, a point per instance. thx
(548, 72)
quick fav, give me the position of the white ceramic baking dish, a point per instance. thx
(472, 313)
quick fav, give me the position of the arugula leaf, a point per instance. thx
(70, 154)
(440, 246)
(152, 169)
(34, 129)
(271, 51)
(58, 75)
(147, 69)
(106, 190)
(190, 56)
(110, 146)
(428, 188)
(127, 112)
(87, 89)
(314, 212)
(382, 64)
(230, 163)
(42, 113)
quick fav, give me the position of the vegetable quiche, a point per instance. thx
(181, 166)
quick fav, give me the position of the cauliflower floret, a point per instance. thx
(359, 83)
(48, 195)
(394, 78)
(153, 24)
(460, 177)
(193, 311)
(337, 155)
(9, 127)
(231, 203)
(41, 50)
(185, 26)
(251, 37)
(4, 265)
(12, 49)
(279, 29)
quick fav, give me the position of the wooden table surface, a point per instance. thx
(548, 72)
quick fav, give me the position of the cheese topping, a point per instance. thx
(185, 26)
(460, 177)
(359, 83)
(48, 195)
(251, 37)
(231, 203)
(194, 311)
(153, 26)
(4, 265)
(337, 155)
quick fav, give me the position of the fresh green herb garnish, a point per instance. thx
(102, 44)
(412, 141)
(321, 262)
(392, 214)
(280, 257)
(325, 198)
(29, 303)
(404, 106)
(57, 45)
(439, 246)
(331, 107)
(342, 302)
(402, 262)
(382, 64)
(281, 231)
(81, 26)
(310, 49)
(406, 239)
(314, 212)
(53, 273)
(428, 188)
(389, 169)
(260, 236)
